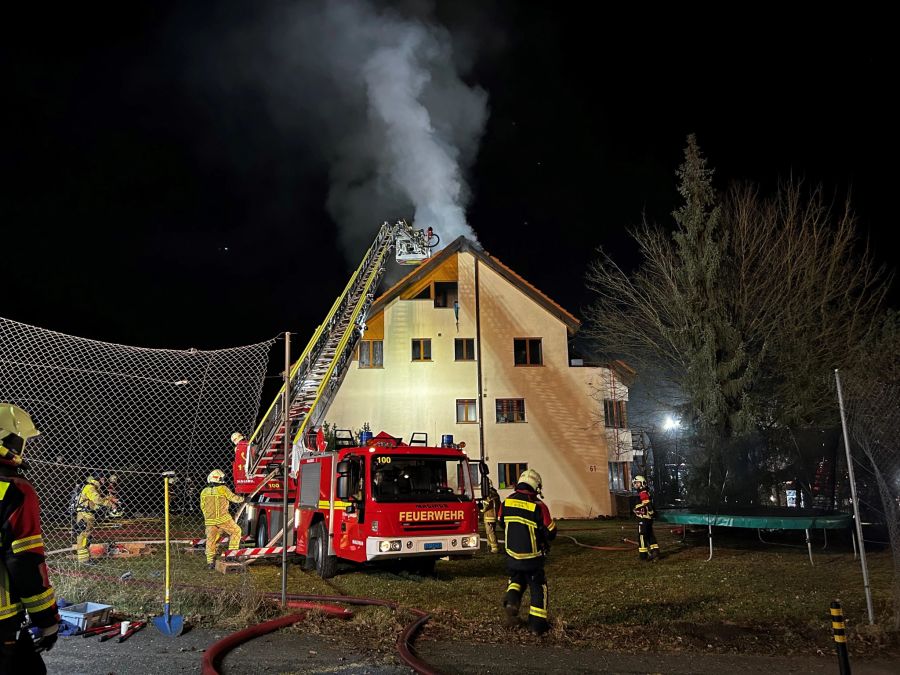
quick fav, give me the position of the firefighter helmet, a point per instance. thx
(237, 437)
(216, 476)
(16, 428)
(639, 482)
(532, 478)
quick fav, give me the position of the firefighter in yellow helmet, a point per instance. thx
(90, 502)
(529, 529)
(214, 500)
(648, 549)
(24, 584)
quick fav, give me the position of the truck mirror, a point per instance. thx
(343, 468)
(343, 487)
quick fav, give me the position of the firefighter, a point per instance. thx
(24, 584)
(648, 549)
(528, 529)
(214, 499)
(489, 507)
(91, 504)
(111, 487)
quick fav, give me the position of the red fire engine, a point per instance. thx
(367, 500)
(381, 500)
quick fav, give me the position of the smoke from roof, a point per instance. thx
(378, 94)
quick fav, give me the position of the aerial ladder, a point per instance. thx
(316, 375)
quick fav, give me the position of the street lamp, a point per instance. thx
(672, 425)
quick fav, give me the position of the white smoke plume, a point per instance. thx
(380, 94)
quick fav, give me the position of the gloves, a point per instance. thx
(47, 638)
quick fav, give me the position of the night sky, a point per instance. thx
(140, 208)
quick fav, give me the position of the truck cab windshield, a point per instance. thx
(403, 478)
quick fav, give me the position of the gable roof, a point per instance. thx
(461, 244)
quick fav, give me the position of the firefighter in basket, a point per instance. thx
(90, 505)
(529, 529)
(24, 584)
(648, 549)
(214, 501)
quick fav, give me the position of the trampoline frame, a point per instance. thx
(833, 521)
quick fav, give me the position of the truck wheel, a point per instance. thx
(325, 565)
(262, 531)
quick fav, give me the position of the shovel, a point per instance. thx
(168, 624)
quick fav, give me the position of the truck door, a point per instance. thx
(349, 538)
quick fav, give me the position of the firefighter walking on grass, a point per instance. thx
(90, 503)
(214, 501)
(24, 585)
(528, 529)
(648, 549)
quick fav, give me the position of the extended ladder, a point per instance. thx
(317, 374)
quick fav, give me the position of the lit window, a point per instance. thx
(371, 354)
(421, 349)
(465, 410)
(510, 410)
(614, 414)
(527, 352)
(509, 474)
(465, 349)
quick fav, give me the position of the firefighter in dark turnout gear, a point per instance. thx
(648, 549)
(24, 585)
(528, 529)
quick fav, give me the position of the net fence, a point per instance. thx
(873, 419)
(122, 416)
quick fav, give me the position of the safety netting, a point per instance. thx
(123, 416)
(872, 408)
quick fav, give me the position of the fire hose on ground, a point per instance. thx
(218, 649)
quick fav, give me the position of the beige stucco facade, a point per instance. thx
(563, 436)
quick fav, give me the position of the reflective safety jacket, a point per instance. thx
(214, 499)
(527, 524)
(24, 585)
(490, 506)
(90, 498)
(644, 509)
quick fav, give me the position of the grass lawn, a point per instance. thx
(751, 597)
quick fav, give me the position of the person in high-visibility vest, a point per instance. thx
(214, 501)
(528, 530)
(24, 584)
(648, 549)
(90, 502)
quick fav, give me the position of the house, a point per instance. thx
(465, 346)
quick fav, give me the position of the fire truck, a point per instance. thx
(365, 499)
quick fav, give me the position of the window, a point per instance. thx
(614, 414)
(466, 411)
(510, 410)
(465, 349)
(509, 474)
(527, 352)
(371, 354)
(445, 293)
(421, 349)
(618, 476)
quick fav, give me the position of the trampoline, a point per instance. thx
(761, 518)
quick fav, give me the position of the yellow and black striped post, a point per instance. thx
(840, 637)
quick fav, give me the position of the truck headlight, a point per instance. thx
(470, 542)
(387, 546)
